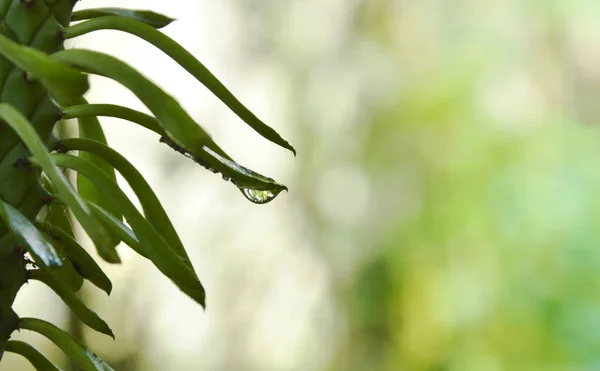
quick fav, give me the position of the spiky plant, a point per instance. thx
(42, 83)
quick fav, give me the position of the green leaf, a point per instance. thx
(38, 246)
(27, 134)
(89, 127)
(153, 210)
(153, 19)
(81, 356)
(187, 61)
(62, 82)
(28, 352)
(82, 312)
(181, 129)
(119, 228)
(111, 110)
(83, 262)
(152, 243)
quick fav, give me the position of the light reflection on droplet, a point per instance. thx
(258, 196)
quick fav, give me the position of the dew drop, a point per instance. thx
(258, 196)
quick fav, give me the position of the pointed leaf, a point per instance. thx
(82, 312)
(83, 262)
(27, 134)
(89, 127)
(153, 210)
(119, 228)
(112, 110)
(187, 61)
(180, 127)
(153, 244)
(81, 356)
(28, 352)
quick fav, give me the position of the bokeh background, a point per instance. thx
(444, 207)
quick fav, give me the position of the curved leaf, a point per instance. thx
(153, 19)
(90, 128)
(187, 61)
(82, 312)
(119, 228)
(81, 356)
(38, 246)
(27, 134)
(83, 262)
(153, 244)
(112, 110)
(28, 352)
(180, 127)
(62, 82)
(153, 210)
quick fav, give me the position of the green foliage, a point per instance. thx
(37, 221)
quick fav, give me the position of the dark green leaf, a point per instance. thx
(112, 110)
(153, 210)
(89, 127)
(187, 61)
(119, 228)
(152, 243)
(34, 357)
(182, 130)
(84, 263)
(82, 312)
(81, 356)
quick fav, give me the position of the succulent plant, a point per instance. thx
(42, 83)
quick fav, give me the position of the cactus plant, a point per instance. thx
(41, 83)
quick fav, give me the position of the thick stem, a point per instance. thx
(37, 24)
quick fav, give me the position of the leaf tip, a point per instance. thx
(107, 289)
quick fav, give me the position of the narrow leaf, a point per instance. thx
(153, 19)
(181, 129)
(153, 210)
(112, 110)
(27, 134)
(119, 228)
(90, 128)
(81, 356)
(187, 61)
(28, 352)
(39, 247)
(82, 312)
(84, 263)
(153, 244)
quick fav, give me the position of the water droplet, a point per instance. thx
(258, 196)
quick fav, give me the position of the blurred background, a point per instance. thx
(444, 207)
